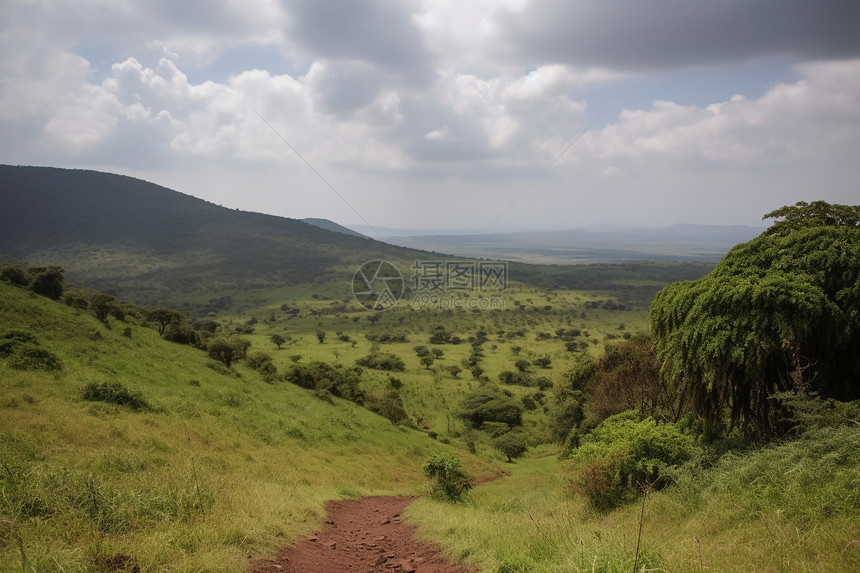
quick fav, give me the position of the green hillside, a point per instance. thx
(155, 246)
(203, 467)
(711, 427)
(147, 242)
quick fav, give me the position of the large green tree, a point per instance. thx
(779, 312)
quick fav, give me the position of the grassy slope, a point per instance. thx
(225, 466)
(792, 507)
(146, 242)
(433, 394)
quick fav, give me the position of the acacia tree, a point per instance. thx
(223, 350)
(778, 312)
(48, 282)
(278, 340)
(512, 444)
(165, 317)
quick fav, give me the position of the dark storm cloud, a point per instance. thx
(378, 31)
(632, 34)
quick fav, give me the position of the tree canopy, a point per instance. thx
(779, 312)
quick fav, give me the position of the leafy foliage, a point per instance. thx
(115, 393)
(224, 351)
(28, 356)
(165, 318)
(512, 444)
(627, 377)
(783, 304)
(389, 406)
(321, 376)
(12, 339)
(570, 398)
(449, 481)
(624, 454)
(809, 215)
(489, 404)
(382, 361)
(48, 282)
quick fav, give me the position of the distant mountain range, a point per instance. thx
(698, 243)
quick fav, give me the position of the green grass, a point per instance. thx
(791, 507)
(219, 466)
(433, 395)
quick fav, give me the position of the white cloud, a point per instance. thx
(440, 102)
(794, 121)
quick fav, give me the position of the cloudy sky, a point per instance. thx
(461, 114)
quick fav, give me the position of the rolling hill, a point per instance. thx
(184, 466)
(155, 246)
(146, 242)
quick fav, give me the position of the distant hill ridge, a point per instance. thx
(132, 237)
(331, 226)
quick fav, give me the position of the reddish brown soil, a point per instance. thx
(362, 536)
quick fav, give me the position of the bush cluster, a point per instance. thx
(319, 376)
(449, 482)
(491, 405)
(24, 353)
(625, 454)
(115, 393)
(382, 361)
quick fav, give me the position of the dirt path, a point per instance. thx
(362, 536)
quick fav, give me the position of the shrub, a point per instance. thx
(337, 380)
(624, 454)
(182, 334)
(8, 347)
(21, 336)
(12, 339)
(512, 444)
(15, 275)
(517, 378)
(224, 351)
(389, 406)
(257, 358)
(115, 393)
(566, 414)
(797, 412)
(627, 377)
(490, 405)
(262, 363)
(448, 480)
(440, 336)
(382, 361)
(31, 357)
(48, 282)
